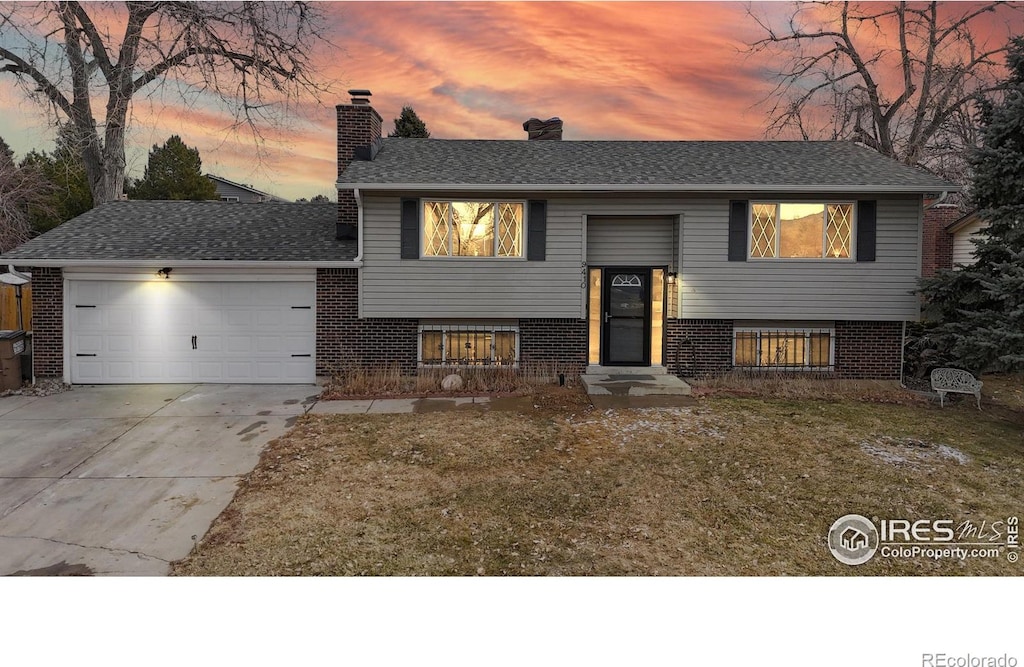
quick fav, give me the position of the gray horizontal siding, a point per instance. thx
(625, 241)
(468, 288)
(710, 287)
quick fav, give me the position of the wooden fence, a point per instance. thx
(9, 307)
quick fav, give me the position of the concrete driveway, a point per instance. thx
(118, 479)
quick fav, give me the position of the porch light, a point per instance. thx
(672, 277)
(164, 273)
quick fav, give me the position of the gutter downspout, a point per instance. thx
(13, 271)
(903, 352)
(942, 198)
(359, 224)
(359, 250)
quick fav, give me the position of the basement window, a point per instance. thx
(788, 350)
(468, 345)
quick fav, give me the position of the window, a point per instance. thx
(801, 230)
(228, 198)
(472, 229)
(796, 349)
(468, 345)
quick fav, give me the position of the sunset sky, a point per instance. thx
(478, 70)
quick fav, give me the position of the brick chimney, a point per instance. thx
(359, 138)
(936, 242)
(550, 129)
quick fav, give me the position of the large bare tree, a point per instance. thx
(22, 189)
(254, 57)
(902, 78)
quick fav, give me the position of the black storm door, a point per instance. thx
(627, 317)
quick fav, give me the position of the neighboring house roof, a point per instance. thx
(960, 223)
(150, 231)
(738, 166)
(247, 188)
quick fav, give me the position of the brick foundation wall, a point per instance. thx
(342, 339)
(936, 242)
(698, 347)
(868, 350)
(47, 322)
(561, 343)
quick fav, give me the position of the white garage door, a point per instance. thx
(179, 331)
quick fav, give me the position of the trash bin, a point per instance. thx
(12, 344)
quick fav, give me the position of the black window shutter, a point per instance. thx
(866, 227)
(738, 231)
(410, 229)
(537, 230)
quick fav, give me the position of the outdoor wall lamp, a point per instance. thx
(164, 273)
(671, 277)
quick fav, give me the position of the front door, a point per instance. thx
(627, 317)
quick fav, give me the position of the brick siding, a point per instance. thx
(936, 242)
(698, 347)
(868, 350)
(342, 339)
(359, 125)
(863, 350)
(47, 322)
(561, 343)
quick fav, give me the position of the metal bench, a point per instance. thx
(957, 381)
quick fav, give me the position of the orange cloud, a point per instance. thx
(610, 70)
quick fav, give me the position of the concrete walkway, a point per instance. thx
(394, 406)
(118, 479)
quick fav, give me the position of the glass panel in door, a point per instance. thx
(627, 317)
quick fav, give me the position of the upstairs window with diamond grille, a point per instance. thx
(812, 230)
(472, 229)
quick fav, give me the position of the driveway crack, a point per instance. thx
(86, 546)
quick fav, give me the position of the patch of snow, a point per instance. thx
(911, 452)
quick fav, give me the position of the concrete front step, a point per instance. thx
(626, 370)
(633, 384)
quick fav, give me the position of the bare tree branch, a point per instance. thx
(835, 75)
(255, 57)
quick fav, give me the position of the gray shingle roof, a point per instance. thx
(689, 165)
(186, 230)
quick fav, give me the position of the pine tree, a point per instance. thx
(977, 313)
(409, 125)
(6, 154)
(174, 172)
(70, 195)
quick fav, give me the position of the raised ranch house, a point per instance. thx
(692, 257)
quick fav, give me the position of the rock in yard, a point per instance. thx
(451, 382)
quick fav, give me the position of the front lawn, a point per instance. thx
(729, 486)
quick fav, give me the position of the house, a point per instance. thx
(239, 192)
(948, 237)
(963, 231)
(688, 257)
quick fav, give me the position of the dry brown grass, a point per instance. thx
(731, 486)
(805, 387)
(388, 380)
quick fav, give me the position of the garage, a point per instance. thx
(228, 329)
